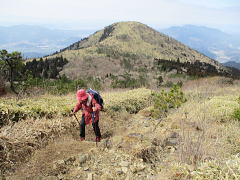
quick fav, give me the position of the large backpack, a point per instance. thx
(96, 96)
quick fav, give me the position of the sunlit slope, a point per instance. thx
(134, 40)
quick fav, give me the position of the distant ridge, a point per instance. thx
(36, 41)
(232, 64)
(212, 42)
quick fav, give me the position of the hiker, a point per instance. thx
(90, 113)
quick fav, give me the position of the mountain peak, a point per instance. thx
(128, 42)
(139, 39)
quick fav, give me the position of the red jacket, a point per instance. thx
(87, 109)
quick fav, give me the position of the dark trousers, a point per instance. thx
(95, 126)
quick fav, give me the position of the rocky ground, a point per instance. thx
(131, 148)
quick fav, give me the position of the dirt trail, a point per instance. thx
(41, 163)
(126, 151)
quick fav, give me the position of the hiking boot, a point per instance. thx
(98, 139)
(82, 138)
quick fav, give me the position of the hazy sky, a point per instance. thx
(94, 14)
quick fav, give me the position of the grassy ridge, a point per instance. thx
(133, 42)
(133, 39)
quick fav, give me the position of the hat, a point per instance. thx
(81, 95)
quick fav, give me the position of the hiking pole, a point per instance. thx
(95, 126)
(76, 118)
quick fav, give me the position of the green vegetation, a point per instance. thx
(11, 66)
(131, 101)
(196, 68)
(35, 107)
(48, 68)
(236, 113)
(42, 74)
(60, 86)
(128, 81)
(164, 101)
(34, 74)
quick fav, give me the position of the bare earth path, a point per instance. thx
(41, 163)
(126, 145)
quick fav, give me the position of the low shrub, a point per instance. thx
(236, 112)
(164, 101)
(127, 80)
(14, 110)
(131, 101)
(63, 85)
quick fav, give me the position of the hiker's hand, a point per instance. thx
(94, 109)
(72, 112)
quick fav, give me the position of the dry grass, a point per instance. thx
(191, 146)
(209, 134)
(19, 140)
(208, 170)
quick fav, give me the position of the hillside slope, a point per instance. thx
(199, 140)
(122, 43)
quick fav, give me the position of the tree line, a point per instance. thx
(16, 72)
(197, 68)
(48, 68)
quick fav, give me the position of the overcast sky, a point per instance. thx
(95, 14)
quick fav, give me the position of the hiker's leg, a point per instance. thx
(96, 129)
(82, 127)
